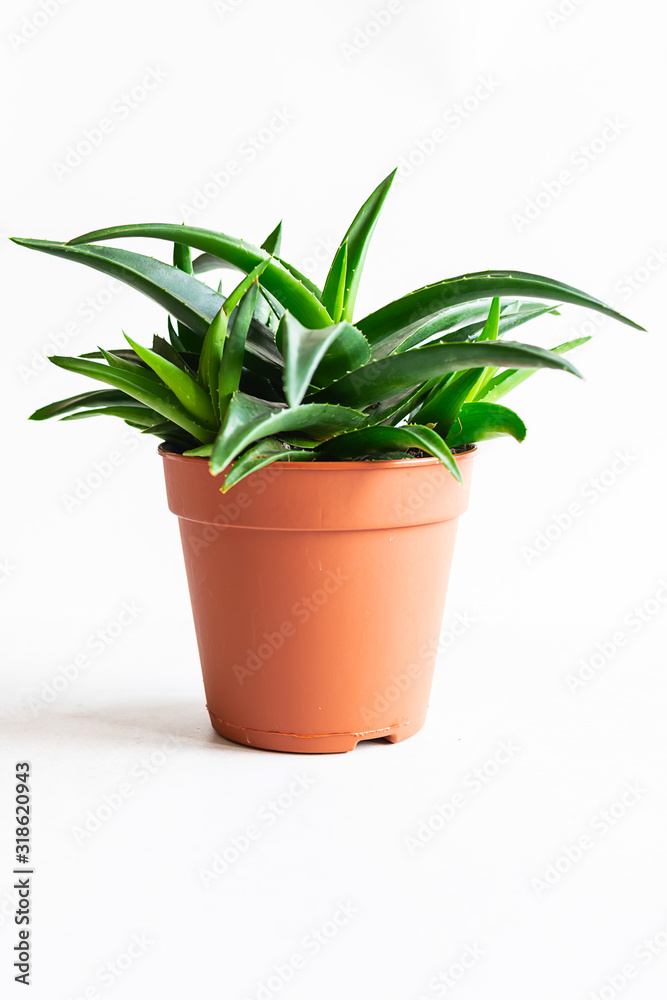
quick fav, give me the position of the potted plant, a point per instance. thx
(317, 465)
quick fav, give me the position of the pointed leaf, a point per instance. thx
(396, 408)
(272, 242)
(209, 262)
(234, 349)
(174, 337)
(277, 279)
(211, 354)
(331, 352)
(481, 421)
(187, 391)
(259, 455)
(333, 296)
(214, 341)
(303, 278)
(489, 332)
(457, 324)
(508, 380)
(183, 257)
(169, 432)
(189, 300)
(140, 416)
(201, 451)
(381, 439)
(144, 389)
(389, 376)
(490, 329)
(128, 361)
(358, 237)
(182, 338)
(248, 420)
(392, 320)
(167, 351)
(98, 397)
(237, 294)
(441, 409)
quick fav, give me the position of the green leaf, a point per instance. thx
(201, 451)
(389, 376)
(481, 421)
(260, 455)
(183, 257)
(396, 408)
(174, 337)
(209, 262)
(381, 439)
(490, 330)
(333, 296)
(272, 242)
(357, 239)
(456, 324)
(461, 322)
(442, 407)
(397, 319)
(189, 300)
(169, 433)
(167, 351)
(331, 352)
(268, 309)
(128, 361)
(139, 416)
(214, 341)
(187, 391)
(99, 397)
(310, 285)
(248, 420)
(183, 339)
(210, 358)
(237, 294)
(508, 380)
(277, 279)
(183, 260)
(139, 387)
(234, 349)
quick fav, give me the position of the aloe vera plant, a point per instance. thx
(279, 370)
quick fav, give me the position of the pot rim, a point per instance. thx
(396, 463)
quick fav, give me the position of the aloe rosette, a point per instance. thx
(278, 370)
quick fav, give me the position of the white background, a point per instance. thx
(359, 100)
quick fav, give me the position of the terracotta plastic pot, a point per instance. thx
(318, 593)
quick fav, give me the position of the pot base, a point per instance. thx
(325, 743)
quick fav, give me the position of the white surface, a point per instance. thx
(352, 117)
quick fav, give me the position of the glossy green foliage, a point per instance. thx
(481, 421)
(319, 356)
(380, 440)
(277, 370)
